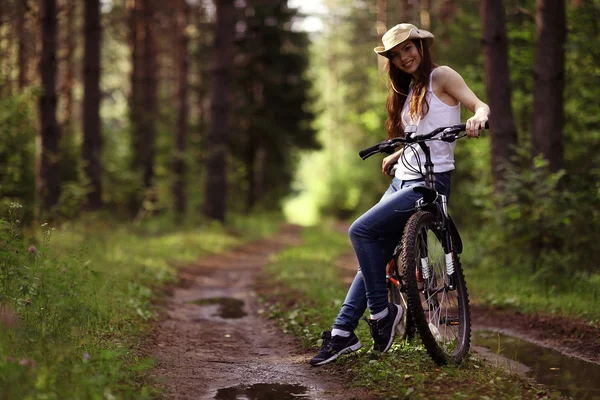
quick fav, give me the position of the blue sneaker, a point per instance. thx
(335, 346)
(384, 329)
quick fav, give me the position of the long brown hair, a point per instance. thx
(399, 84)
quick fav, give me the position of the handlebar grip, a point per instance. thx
(369, 151)
(463, 127)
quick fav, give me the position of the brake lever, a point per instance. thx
(450, 135)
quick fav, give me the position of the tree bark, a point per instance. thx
(381, 27)
(5, 48)
(407, 11)
(147, 131)
(424, 14)
(549, 82)
(179, 166)
(447, 11)
(50, 131)
(92, 125)
(67, 89)
(216, 166)
(143, 88)
(135, 30)
(498, 87)
(22, 43)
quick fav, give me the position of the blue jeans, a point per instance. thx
(374, 236)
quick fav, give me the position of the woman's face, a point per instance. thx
(406, 57)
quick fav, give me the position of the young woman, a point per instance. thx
(429, 96)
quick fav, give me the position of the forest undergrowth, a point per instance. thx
(77, 299)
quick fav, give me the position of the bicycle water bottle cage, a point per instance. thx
(429, 195)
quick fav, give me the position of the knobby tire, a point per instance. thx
(412, 241)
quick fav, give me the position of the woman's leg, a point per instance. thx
(355, 303)
(380, 237)
(374, 236)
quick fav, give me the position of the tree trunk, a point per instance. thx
(143, 88)
(216, 166)
(407, 11)
(5, 48)
(50, 131)
(381, 27)
(67, 89)
(447, 11)
(135, 31)
(498, 87)
(22, 43)
(424, 14)
(147, 131)
(549, 82)
(250, 161)
(179, 166)
(92, 129)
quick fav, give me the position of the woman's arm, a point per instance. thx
(390, 161)
(454, 84)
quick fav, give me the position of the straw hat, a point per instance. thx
(401, 33)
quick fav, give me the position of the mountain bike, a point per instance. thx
(425, 275)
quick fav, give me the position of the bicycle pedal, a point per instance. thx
(450, 321)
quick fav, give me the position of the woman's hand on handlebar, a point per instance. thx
(475, 124)
(390, 161)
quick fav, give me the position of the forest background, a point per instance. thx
(147, 116)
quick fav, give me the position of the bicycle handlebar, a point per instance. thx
(450, 134)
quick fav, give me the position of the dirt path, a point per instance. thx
(212, 343)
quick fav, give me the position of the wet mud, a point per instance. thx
(265, 391)
(212, 342)
(228, 307)
(572, 377)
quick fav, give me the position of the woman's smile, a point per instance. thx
(406, 57)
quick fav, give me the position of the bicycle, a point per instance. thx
(425, 275)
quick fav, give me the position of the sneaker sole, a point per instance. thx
(339, 353)
(396, 321)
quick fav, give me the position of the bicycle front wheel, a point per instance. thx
(438, 304)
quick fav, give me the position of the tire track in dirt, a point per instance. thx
(201, 355)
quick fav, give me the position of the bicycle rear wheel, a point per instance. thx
(441, 313)
(397, 292)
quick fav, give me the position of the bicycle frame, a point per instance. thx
(437, 203)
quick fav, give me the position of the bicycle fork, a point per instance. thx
(446, 243)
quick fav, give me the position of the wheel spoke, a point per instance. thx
(442, 315)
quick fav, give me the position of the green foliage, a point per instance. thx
(75, 305)
(271, 117)
(535, 251)
(17, 152)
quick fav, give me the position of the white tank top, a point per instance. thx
(442, 153)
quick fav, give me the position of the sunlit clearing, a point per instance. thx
(301, 210)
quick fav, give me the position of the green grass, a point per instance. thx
(74, 311)
(304, 297)
(495, 283)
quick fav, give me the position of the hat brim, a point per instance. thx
(382, 51)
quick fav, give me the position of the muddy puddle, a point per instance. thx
(570, 376)
(264, 391)
(228, 307)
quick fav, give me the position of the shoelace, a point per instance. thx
(326, 341)
(373, 325)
